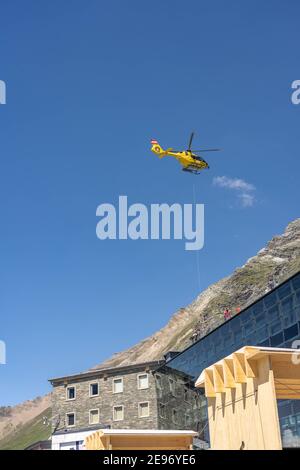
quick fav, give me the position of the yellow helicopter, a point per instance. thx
(189, 160)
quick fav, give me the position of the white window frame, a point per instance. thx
(94, 409)
(93, 383)
(67, 421)
(67, 388)
(113, 387)
(142, 403)
(138, 382)
(118, 406)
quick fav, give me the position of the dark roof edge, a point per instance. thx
(95, 372)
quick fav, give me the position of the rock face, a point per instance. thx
(272, 265)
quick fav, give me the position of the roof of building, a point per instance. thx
(138, 432)
(92, 428)
(240, 365)
(108, 371)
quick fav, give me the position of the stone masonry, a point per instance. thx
(105, 402)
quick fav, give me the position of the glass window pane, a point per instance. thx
(275, 327)
(262, 333)
(71, 393)
(94, 389)
(287, 305)
(249, 327)
(277, 340)
(273, 313)
(296, 282)
(258, 308)
(297, 298)
(291, 332)
(70, 419)
(260, 319)
(289, 318)
(284, 290)
(270, 299)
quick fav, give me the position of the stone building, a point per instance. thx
(125, 397)
(121, 397)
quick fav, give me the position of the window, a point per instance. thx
(274, 313)
(94, 416)
(94, 389)
(118, 385)
(118, 413)
(144, 411)
(186, 394)
(70, 419)
(270, 299)
(175, 416)
(276, 340)
(291, 332)
(284, 291)
(162, 411)
(275, 327)
(143, 381)
(71, 393)
(262, 333)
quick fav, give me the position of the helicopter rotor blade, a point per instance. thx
(207, 150)
(191, 140)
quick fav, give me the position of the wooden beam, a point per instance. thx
(239, 368)
(251, 368)
(228, 373)
(218, 378)
(209, 383)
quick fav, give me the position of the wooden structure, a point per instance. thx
(127, 439)
(242, 391)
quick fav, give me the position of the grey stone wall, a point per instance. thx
(182, 398)
(129, 398)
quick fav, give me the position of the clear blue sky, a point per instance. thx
(88, 85)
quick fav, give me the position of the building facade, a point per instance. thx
(273, 320)
(121, 398)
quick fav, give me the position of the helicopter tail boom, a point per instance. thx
(156, 148)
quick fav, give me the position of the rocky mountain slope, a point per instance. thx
(13, 419)
(274, 263)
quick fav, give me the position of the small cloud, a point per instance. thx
(243, 188)
(233, 183)
(247, 200)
